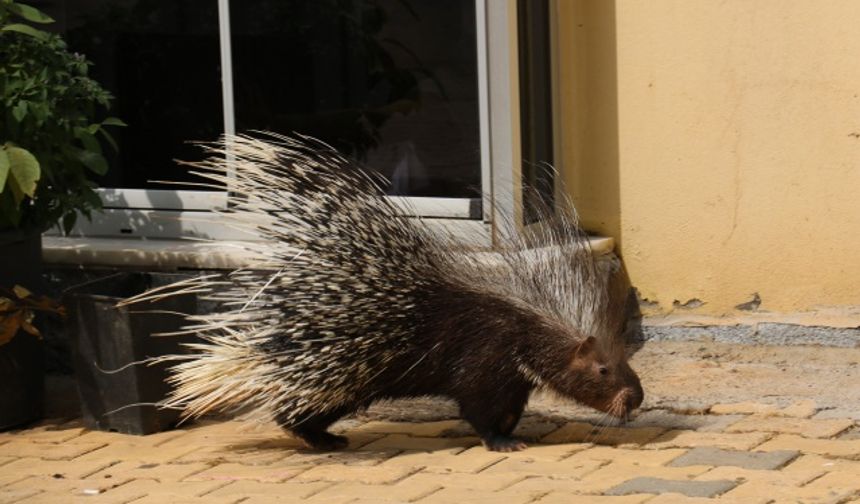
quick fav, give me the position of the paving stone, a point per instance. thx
(842, 412)
(280, 499)
(340, 472)
(743, 408)
(579, 432)
(419, 429)
(444, 461)
(135, 470)
(378, 493)
(829, 447)
(708, 455)
(801, 409)
(404, 442)
(786, 425)
(784, 494)
(669, 420)
(550, 483)
(818, 465)
(658, 486)
(12, 494)
(251, 488)
(265, 452)
(64, 489)
(566, 498)
(533, 427)
(739, 474)
(121, 451)
(472, 496)
(850, 435)
(484, 481)
(617, 472)
(154, 439)
(692, 439)
(363, 457)
(48, 451)
(540, 451)
(72, 469)
(242, 435)
(167, 491)
(649, 458)
(47, 433)
(836, 481)
(9, 478)
(676, 498)
(273, 473)
(358, 440)
(160, 499)
(567, 468)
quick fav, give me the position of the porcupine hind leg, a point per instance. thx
(494, 420)
(313, 430)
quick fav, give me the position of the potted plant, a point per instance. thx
(50, 140)
(21, 367)
(50, 144)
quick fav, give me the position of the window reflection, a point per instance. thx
(392, 83)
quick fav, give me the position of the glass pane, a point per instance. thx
(535, 107)
(392, 83)
(161, 61)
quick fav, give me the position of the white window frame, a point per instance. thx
(170, 214)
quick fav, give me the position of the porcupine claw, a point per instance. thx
(504, 444)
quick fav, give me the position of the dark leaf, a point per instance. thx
(24, 170)
(92, 160)
(19, 111)
(4, 168)
(113, 121)
(69, 221)
(26, 30)
(31, 14)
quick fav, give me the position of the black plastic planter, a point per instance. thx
(115, 394)
(22, 360)
(22, 378)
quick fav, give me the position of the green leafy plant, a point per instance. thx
(50, 141)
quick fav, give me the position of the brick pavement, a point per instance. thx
(733, 453)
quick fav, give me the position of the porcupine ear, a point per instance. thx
(585, 348)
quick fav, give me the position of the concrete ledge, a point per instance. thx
(143, 254)
(165, 254)
(767, 333)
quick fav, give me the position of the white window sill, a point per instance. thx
(139, 253)
(169, 254)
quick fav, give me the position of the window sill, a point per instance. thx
(161, 254)
(165, 254)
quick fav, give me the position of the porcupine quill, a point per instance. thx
(350, 302)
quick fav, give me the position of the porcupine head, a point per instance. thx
(349, 302)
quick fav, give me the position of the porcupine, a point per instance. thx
(352, 302)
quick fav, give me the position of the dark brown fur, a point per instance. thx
(472, 347)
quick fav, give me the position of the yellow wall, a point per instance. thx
(719, 142)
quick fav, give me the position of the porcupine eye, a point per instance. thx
(603, 370)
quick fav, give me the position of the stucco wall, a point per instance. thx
(719, 143)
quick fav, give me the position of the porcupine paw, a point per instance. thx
(504, 444)
(325, 441)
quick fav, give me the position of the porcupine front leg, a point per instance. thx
(312, 428)
(494, 420)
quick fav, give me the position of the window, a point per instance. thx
(403, 87)
(536, 107)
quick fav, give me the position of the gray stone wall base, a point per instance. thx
(763, 333)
